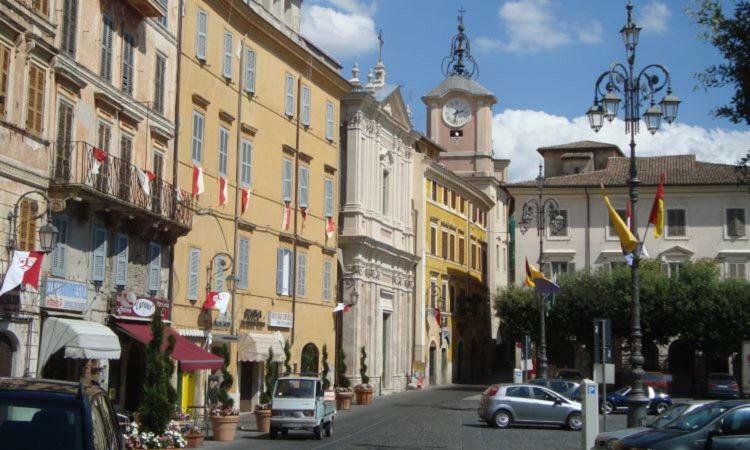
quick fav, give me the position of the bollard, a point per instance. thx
(590, 412)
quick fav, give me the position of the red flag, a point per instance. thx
(245, 199)
(150, 175)
(330, 227)
(437, 315)
(24, 267)
(222, 191)
(198, 186)
(210, 300)
(628, 213)
(286, 217)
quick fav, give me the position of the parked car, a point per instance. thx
(569, 374)
(657, 380)
(722, 385)
(618, 400)
(44, 414)
(566, 388)
(717, 426)
(505, 404)
(299, 404)
(608, 440)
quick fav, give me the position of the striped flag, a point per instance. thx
(542, 285)
(657, 209)
(222, 191)
(245, 199)
(286, 217)
(198, 186)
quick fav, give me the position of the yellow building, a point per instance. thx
(453, 270)
(253, 91)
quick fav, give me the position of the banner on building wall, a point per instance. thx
(64, 294)
(129, 304)
(280, 319)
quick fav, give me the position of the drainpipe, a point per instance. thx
(415, 227)
(296, 203)
(235, 261)
(588, 230)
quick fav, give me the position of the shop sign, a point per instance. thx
(280, 319)
(64, 294)
(144, 307)
(128, 304)
(252, 318)
(223, 321)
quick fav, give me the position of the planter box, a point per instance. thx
(364, 395)
(225, 427)
(195, 441)
(344, 400)
(263, 420)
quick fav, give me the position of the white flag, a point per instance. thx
(222, 301)
(144, 181)
(24, 268)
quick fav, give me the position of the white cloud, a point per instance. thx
(487, 43)
(653, 17)
(518, 133)
(590, 33)
(345, 28)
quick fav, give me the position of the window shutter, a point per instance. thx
(154, 268)
(329, 121)
(197, 150)
(105, 68)
(69, 20)
(201, 39)
(305, 105)
(223, 150)
(289, 96)
(219, 267)
(329, 197)
(4, 67)
(193, 267)
(246, 170)
(227, 66)
(244, 262)
(301, 275)
(327, 280)
(27, 225)
(128, 60)
(304, 189)
(287, 181)
(121, 260)
(35, 102)
(58, 254)
(249, 70)
(280, 271)
(161, 65)
(98, 254)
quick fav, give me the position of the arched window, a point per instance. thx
(310, 358)
(6, 355)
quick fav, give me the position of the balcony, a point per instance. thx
(149, 8)
(117, 190)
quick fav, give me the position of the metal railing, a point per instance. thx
(118, 178)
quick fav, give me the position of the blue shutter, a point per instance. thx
(202, 38)
(287, 180)
(301, 274)
(98, 254)
(197, 149)
(58, 254)
(223, 150)
(289, 95)
(305, 106)
(193, 267)
(249, 70)
(327, 280)
(121, 260)
(219, 269)
(303, 194)
(328, 184)
(246, 169)
(154, 267)
(280, 271)
(244, 262)
(329, 121)
(227, 55)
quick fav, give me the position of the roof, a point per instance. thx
(581, 155)
(457, 82)
(681, 170)
(580, 145)
(45, 385)
(382, 93)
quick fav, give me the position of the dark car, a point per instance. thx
(618, 401)
(566, 388)
(722, 385)
(569, 374)
(43, 414)
(716, 426)
(657, 380)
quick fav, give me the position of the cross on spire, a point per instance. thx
(461, 12)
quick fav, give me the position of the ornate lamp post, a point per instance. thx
(638, 89)
(541, 212)
(48, 233)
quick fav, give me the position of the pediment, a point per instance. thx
(677, 250)
(394, 105)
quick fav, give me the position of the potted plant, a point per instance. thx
(263, 409)
(364, 389)
(287, 357)
(343, 385)
(194, 436)
(224, 417)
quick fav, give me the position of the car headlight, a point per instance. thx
(611, 444)
(309, 413)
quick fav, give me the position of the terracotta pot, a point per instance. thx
(344, 400)
(364, 395)
(194, 440)
(263, 420)
(225, 427)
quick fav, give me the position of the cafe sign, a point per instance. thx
(252, 318)
(66, 295)
(280, 319)
(129, 304)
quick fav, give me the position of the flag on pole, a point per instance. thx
(178, 195)
(245, 200)
(341, 307)
(198, 186)
(657, 209)
(286, 216)
(222, 191)
(25, 268)
(330, 227)
(303, 213)
(222, 301)
(528, 281)
(144, 179)
(542, 284)
(210, 300)
(98, 157)
(628, 214)
(628, 242)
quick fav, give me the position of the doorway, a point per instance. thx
(444, 366)
(247, 385)
(432, 364)
(309, 360)
(385, 376)
(6, 355)
(134, 378)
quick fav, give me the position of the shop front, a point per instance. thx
(252, 355)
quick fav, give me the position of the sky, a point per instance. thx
(540, 58)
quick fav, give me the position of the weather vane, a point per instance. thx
(460, 62)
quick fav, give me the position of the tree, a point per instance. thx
(731, 36)
(287, 357)
(159, 397)
(269, 379)
(227, 380)
(326, 369)
(342, 381)
(363, 366)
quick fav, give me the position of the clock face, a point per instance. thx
(456, 112)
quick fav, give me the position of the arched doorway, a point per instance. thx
(310, 358)
(136, 365)
(6, 355)
(433, 349)
(459, 360)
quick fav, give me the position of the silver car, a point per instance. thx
(504, 404)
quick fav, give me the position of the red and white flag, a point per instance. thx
(245, 200)
(341, 307)
(178, 195)
(303, 213)
(210, 300)
(198, 187)
(222, 301)
(25, 268)
(145, 179)
(437, 315)
(286, 217)
(98, 156)
(222, 191)
(330, 227)
(628, 214)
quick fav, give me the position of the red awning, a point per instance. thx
(190, 356)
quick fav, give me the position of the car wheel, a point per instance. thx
(329, 429)
(285, 433)
(661, 407)
(318, 432)
(501, 419)
(575, 421)
(273, 433)
(608, 407)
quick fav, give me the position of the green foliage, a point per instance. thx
(159, 397)
(326, 369)
(270, 378)
(287, 357)
(363, 366)
(227, 380)
(342, 380)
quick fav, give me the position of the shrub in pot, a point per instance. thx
(224, 417)
(263, 409)
(364, 389)
(343, 385)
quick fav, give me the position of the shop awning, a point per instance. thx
(254, 347)
(190, 356)
(82, 339)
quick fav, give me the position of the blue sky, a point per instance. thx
(540, 58)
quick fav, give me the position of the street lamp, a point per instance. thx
(541, 213)
(48, 233)
(637, 89)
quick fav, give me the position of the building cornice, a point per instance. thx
(436, 171)
(373, 244)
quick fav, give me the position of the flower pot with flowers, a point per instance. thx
(137, 438)
(364, 389)
(263, 409)
(194, 436)
(224, 417)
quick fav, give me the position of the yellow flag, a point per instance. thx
(628, 242)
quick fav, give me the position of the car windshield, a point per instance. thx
(40, 424)
(698, 418)
(295, 389)
(622, 391)
(668, 416)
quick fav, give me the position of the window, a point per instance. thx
(328, 186)
(444, 243)
(674, 269)
(305, 113)
(64, 136)
(220, 266)
(289, 95)
(194, 262)
(227, 61)
(453, 200)
(735, 222)
(518, 392)
(249, 70)
(444, 296)
(301, 274)
(68, 23)
(327, 266)
(197, 146)
(452, 247)
(161, 67)
(286, 180)
(244, 262)
(473, 255)
(128, 61)
(156, 190)
(386, 193)
(154, 267)
(564, 228)
(35, 105)
(560, 268)
(676, 223)
(283, 271)
(461, 250)
(40, 6)
(736, 423)
(105, 65)
(497, 256)
(303, 193)
(433, 239)
(57, 267)
(329, 121)
(104, 136)
(223, 150)
(27, 225)
(121, 259)
(98, 254)
(4, 68)
(201, 39)
(462, 206)
(126, 151)
(611, 231)
(736, 270)
(433, 293)
(445, 196)
(162, 20)
(246, 166)
(434, 191)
